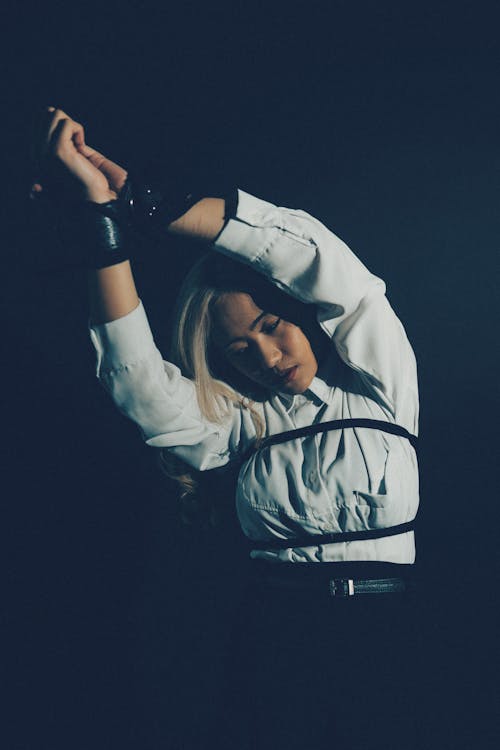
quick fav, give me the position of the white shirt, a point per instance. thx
(345, 480)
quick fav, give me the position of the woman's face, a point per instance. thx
(270, 351)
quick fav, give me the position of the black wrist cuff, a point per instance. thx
(152, 206)
(146, 207)
(100, 232)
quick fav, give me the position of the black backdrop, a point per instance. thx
(382, 120)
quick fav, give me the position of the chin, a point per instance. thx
(297, 390)
(294, 388)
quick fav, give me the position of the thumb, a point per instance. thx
(114, 173)
(85, 150)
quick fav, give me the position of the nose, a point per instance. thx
(267, 355)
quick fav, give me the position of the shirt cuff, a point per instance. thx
(247, 235)
(123, 341)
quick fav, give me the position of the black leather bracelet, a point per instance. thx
(149, 206)
(153, 205)
(99, 232)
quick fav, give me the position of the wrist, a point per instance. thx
(98, 195)
(98, 231)
(154, 204)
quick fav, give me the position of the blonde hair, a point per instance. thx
(218, 386)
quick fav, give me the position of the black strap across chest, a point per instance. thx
(340, 424)
(308, 540)
(333, 424)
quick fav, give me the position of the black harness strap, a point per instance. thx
(314, 540)
(334, 424)
(343, 536)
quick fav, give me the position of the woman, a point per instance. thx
(280, 329)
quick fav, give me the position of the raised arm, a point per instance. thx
(302, 256)
(203, 221)
(112, 293)
(69, 168)
(66, 160)
(151, 392)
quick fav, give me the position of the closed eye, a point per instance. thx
(267, 328)
(270, 327)
(237, 352)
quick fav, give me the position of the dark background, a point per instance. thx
(382, 120)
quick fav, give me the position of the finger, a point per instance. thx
(115, 174)
(58, 116)
(94, 156)
(79, 136)
(87, 151)
(55, 117)
(58, 158)
(66, 135)
(70, 168)
(97, 159)
(61, 143)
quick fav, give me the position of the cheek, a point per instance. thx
(296, 343)
(242, 366)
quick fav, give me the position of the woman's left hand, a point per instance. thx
(115, 174)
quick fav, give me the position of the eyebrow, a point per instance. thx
(252, 326)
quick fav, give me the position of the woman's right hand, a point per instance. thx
(65, 163)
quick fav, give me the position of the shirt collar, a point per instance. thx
(318, 392)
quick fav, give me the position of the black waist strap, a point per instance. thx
(309, 540)
(315, 540)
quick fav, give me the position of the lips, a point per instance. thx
(288, 375)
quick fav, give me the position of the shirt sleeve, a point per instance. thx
(154, 394)
(304, 258)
